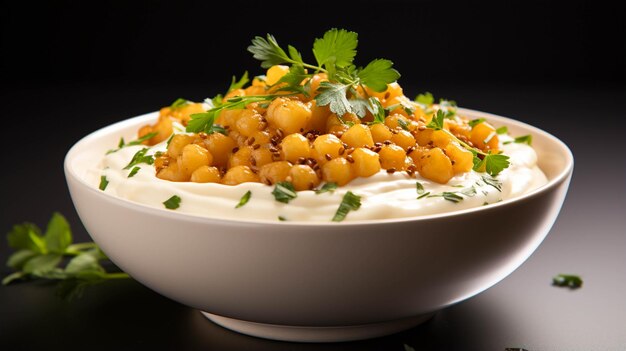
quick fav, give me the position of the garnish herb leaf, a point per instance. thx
(494, 164)
(436, 122)
(567, 280)
(474, 122)
(238, 84)
(426, 194)
(493, 182)
(180, 102)
(268, 51)
(502, 130)
(172, 203)
(336, 49)
(133, 171)
(58, 234)
(377, 74)
(451, 196)
(425, 99)
(524, 139)
(244, 199)
(403, 124)
(140, 157)
(334, 95)
(327, 187)
(284, 192)
(377, 110)
(420, 188)
(350, 202)
(139, 141)
(282, 219)
(103, 182)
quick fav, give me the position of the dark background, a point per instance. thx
(70, 67)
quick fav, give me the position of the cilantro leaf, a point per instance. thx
(58, 234)
(284, 192)
(524, 139)
(349, 202)
(336, 48)
(180, 102)
(140, 157)
(377, 74)
(377, 110)
(436, 122)
(569, 280)
(172, 203)
(493, 164)
(244, 199)
(502, 130)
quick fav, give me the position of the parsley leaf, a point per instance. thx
(377, 74)
(244, 199)
(350, 202)
(140, 157)
(336, 49)
(293, 78)
(238, 84)
(425, 99)
(474, 122)
(133, 171)
(180, 102)
(334, 95)
(436, 122)
(493, 164)
(284, 192)
(139, 141)
(403, 124)
(327, 187)
(268, 51)
(377, 110)
(502, 130)
(103, 182)
(172, 203)
(493, 182)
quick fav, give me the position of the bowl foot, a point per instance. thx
(318, 334)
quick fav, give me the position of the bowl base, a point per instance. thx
(318, 334)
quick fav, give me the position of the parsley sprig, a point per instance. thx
(41, 256)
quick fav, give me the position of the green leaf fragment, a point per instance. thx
(284, 192)
(349, 202)
(58, 234)
(172, 203)
(244, 199)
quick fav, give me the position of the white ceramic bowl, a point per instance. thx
(330, 281)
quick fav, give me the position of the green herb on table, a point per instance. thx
(40, 256)
(244, 199)
(103, 182)
(284, 192)
(350, 202)
(567, 280)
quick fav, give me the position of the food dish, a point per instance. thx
(303, 280)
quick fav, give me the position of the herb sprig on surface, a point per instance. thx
(41, 255)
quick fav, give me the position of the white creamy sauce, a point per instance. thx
(382, 195)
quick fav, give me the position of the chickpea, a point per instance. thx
(358, 135)
(220, 146)
(291, 116)
(183, 113)
(440, 138)
(319, 116)
(403, 139)
(274, 172)
(462, 159)
(249, 123)
(261, 138)
(436, 166)
(193, 157)
(326, 146)
(391, 121)
(206, 174)
(172, 173)
(337, 170)
(303, 177)
(380, 132)
(241, 157)
(260, 157)
(315, 83)
(295, 146)
(228, 118)
(239, 174)
(392, 156)
(275, 73)
(393, 90)
(484, 132)
(366, 162)
(178, 142)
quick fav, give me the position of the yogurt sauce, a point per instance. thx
(383, 195)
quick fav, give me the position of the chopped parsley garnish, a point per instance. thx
(524, 139)
(103, 182)
(567, 280)
(426, 194)
(140, 157)
(403, 124)
(474, 122)
(172, 203)
(327, 187)
(133, 171)
(139, 141)
(493, 182)
(502, 130)
(425, 99)
(284, 192)
(420, 188)
(244, 199)
(453, 196)
(350, 202)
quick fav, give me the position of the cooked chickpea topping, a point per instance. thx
(291, 138)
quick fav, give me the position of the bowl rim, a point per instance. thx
(136, 206)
